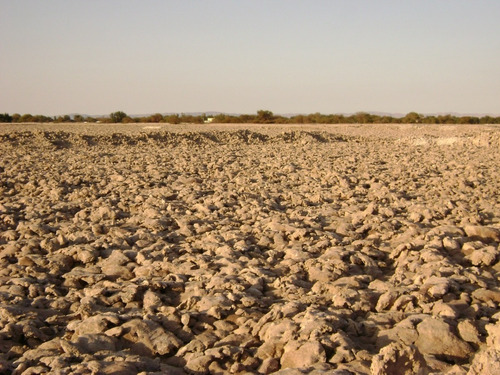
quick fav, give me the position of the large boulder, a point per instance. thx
(436, 337)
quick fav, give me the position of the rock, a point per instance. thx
(115, 265)
(214, 304)
(148, 338)
(444, 310)
(451, 244)
(70, 348)
(34, 370)
(344, 348)
(402, 302)
(269, 366)
(242, 250)
(386, 300)
(487, 234)
(469, 247)
(151, 300)
(121, 368)
(486, 362)
(485, 295)
(468, 332)
(483, 257)
(398, 359)
(94, 324)
(117, 271)
(102, 213)
(93, 343)
(280, 330)
(435, 337)
(302, 355)
(86, 256)
(437, 287)
(493, 339)
(50, 348)
(403, 332)
(199, 365)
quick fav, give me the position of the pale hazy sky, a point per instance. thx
(239, 56)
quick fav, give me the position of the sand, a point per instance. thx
(256, 249)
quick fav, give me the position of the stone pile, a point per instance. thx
(247, 252)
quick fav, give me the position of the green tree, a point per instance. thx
(486, 120)
(173, 119)
(26, 118)
(220, 118)
(64, 118)
(128, 120)
(362, 118)
(188, 119)
(157, 117)
(264, 117)
(446, 119)
(118, 116)
(386, 120)
(298, 119)
(412, 118)
(5, 117)
(246, 119)
(42, 118)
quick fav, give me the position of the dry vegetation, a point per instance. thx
(249, 249)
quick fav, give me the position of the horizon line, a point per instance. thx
(285, 114)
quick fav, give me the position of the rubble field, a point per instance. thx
(249, 249)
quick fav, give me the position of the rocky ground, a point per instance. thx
(173, 250)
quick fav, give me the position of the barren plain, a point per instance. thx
(249, 249)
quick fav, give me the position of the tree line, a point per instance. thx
(261, 117)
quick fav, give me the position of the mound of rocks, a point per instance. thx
(248, 252)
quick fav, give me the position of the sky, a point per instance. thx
(95, 57)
